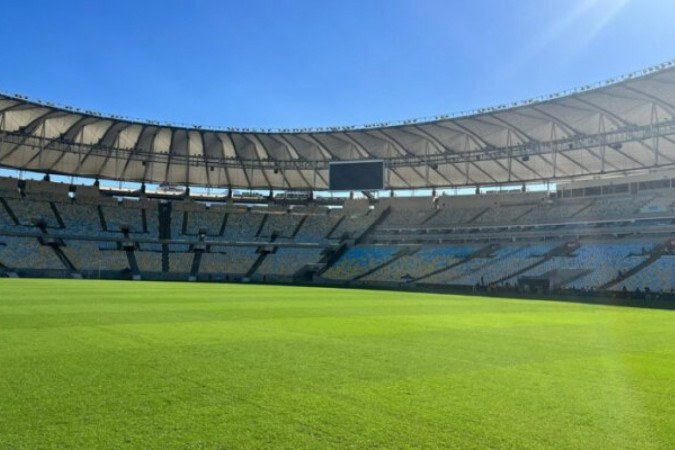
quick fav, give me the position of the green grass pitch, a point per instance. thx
(97, 364)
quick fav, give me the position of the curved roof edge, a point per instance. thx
(505, 107)
(620, 126)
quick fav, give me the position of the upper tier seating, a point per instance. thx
(316, 228)
(242, 226)
(502, 215)
(152, 222)
(554, 212)
(453, 216)
(282, 225)
(80, 219)
(118, 217)
(6, 220)
(9, 187)
(176, 224)
(661, 204)
(354, 225)
(612, 207)
(209, 220)
(407, 218)
(30, 212)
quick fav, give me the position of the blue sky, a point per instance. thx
(311, 63)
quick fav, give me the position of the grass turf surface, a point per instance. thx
(94, 364)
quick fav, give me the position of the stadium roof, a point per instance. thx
(620, 126)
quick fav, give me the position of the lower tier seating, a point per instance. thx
(658, 277)
(359, 260)
(228, 260)
(27, 253)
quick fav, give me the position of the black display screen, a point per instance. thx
(356, 176)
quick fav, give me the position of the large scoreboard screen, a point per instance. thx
(356, 176)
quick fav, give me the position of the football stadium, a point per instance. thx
(607, 230)
(502, 278)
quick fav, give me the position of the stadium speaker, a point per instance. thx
(434, 166)
(526, 158)
(276, 170)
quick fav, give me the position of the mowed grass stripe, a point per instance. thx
(89, 364)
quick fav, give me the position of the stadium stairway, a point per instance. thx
(520, 217)
(332, 256)
(133, 264)
(164, 214)
(262, 254)
(165, 258)
(9, 211)
(430, 216)
(574, 275)
(184, 224)
(335, 227)
(654, 255)
(262, 225)
(589, 205)
(55, 244)
(474, 218)
(403, 252)
(221, 231)
(144, 220)
(561, 250)
(74, 272)
(309, 271)
(101, 218)
(194, 269)
(383, 216)
(297, 228)
(482, 252)
(57, 215)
